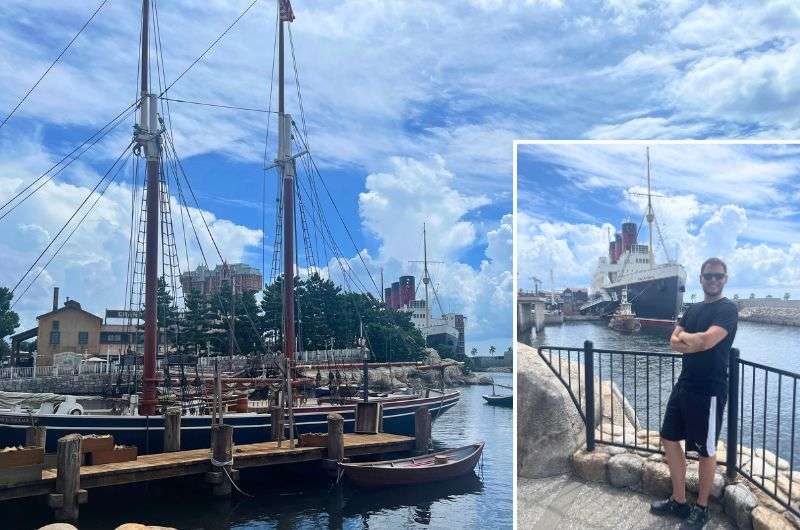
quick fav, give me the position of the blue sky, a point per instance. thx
(738, 202)
(412, 108)
(386, 133)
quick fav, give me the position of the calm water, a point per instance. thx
(300, 499)
(769, 404)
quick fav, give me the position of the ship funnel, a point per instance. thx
(628, 235)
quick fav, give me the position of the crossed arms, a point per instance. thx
(684, 342)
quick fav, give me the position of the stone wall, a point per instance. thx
(83, 384)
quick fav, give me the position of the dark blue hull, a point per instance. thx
(147, 432)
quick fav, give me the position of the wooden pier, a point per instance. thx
(67, 485)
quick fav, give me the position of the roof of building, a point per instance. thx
(69, 305)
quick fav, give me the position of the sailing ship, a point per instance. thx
(654, 290)
(141, 422)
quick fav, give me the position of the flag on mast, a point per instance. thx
(287, 15)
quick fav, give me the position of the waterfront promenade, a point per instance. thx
(566, 502)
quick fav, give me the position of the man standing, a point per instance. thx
(704, 336)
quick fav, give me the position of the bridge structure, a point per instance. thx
(530, 314)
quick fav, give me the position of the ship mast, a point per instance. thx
(147, 138)
(286, 166)
(650, 214)
(426, 280)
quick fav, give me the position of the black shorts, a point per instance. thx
(693, 417)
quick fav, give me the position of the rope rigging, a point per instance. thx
(71, 217)
(52, 64)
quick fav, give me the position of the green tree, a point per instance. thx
(166, 312)
(9, 320)
(492, 349)
(474, 352)
(325, 313)
(752, 296)
(197, 318)
(786, 296)
(736, 296)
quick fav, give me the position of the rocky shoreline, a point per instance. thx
(781, 316)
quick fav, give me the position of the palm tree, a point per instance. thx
(492, 349)
(693, 297)
(474, 352)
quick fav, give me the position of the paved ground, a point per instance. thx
(565, 502)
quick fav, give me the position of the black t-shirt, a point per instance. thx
(706, 372)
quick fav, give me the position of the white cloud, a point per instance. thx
(397, 203)
(92, 266)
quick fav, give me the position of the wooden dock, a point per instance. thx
(198, 462)
(67, 485)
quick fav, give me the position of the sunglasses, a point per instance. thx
(708, 276)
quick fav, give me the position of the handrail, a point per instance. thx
(647, 377)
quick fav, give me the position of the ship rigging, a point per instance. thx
(153, 238)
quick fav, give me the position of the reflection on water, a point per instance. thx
(299, 498)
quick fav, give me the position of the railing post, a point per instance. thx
(588, 366)
(733, 414)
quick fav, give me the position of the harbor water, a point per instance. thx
(769, 403)
(302, 498)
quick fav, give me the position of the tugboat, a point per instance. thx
(624, 319)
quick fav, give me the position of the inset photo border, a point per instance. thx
(623, 249)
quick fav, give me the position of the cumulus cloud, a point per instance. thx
(736, 223)
(92, 265)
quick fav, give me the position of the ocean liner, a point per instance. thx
(655, 291)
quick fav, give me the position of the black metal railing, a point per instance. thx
(636, 386)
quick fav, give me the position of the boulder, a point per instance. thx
(549, 427)
(59, 526)
(792, 518)
(656, 480)
(611, 449)
(625, 471)
(739, 502)
(591, 467)
(693, 480)
(766, 519)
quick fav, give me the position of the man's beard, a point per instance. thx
(709, 292)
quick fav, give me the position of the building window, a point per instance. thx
(111, 338)
(55, 337)
(83, 337)
(55, 325)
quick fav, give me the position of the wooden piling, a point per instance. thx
(422, 430)
(335, 437)
(222, 457)
(172, 430)
(277, 424)
(68, 494)
(35, 436)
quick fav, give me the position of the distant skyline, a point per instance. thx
(737, 202)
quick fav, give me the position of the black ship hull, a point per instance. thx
(655, 302)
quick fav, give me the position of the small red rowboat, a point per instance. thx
(433, 467)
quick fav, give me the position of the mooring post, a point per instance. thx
(221, 460)
(422, 430)
(733, 415)
(35, 436)
(172, 430)
(68, 493)
(335, 437)
(276, 422)
(588, 365)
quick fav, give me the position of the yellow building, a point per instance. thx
(68, 328)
